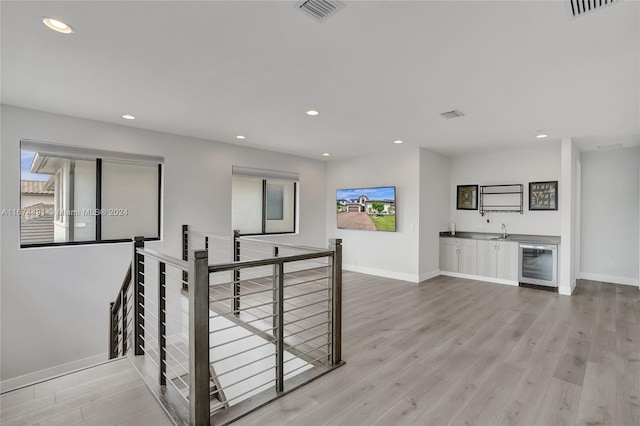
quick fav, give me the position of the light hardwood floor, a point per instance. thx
(447, 351)
(109, 394)
(461, 352)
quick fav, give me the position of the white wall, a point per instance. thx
(568, 188)
(610, 216)
(435, 175)
(54, 300)
(541, 163)
(388, 254)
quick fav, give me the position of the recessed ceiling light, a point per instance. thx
(57, 25)
(128, 117)
(312, 112)
(241, 137)
(542, 135)
(398, 141)
(325, 154)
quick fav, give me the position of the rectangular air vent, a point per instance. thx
(451, 114)
(612, 146)
(580, 7)
(319, 10)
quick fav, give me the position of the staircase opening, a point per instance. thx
(237, 324)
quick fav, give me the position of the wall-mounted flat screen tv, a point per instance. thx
(367, 209)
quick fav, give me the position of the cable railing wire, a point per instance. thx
(262, 305)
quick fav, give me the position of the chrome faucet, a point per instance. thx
(504, 231)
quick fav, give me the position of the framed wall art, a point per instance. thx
(543, 195)
(467, 197)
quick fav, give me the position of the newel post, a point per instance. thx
(236, 273)
(185, 255)
(138, 297)
(199, 338)
(335, 264)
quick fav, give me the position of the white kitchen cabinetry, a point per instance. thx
(458, 255)
(497, 259)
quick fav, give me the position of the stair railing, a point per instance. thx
(119, 334)
(197, 347)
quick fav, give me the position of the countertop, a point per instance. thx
(520, 238)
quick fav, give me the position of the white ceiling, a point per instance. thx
(377, 71)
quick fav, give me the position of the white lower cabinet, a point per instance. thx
(458, 255)
(484, 258)
(497, 259)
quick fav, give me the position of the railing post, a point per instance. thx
(275, 290)
(236, 273)
(335, 244)
(138, 298)
(162, 325)
(124, 300)
(113, 336)
(279, 331)
(199, 338)
(185, 255)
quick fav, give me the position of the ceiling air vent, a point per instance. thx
(451, 114)
(319, 10)
(580, 7)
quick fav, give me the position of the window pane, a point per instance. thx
(282, 197)
(275, 199)
(57, 198)
(84, 200)
(246, 204)
(129, 200)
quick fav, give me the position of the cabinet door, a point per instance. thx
(486, 264)
(507, 260)
(467, 259)
(448, 257)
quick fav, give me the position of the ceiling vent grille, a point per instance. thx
(452, 114)
(319, 10)
(581, 7)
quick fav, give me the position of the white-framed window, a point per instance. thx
(71, 195)
(264, 201)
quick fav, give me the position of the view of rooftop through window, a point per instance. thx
(63, 200)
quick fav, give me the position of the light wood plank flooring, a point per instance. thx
(109, 394)
(447, 351)
(461, 352)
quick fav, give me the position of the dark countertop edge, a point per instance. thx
(518, 238)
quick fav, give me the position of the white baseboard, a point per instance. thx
(382, 273)
(480, 278)
(428, 275)
(48, 373)
(499, 281)
(566, 291)
(608, 278)
(458, 275)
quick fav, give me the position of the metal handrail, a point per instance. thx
(164, 258)
(221, 267)
(149, 320)
(279, 244)
(114, 324)
(210, 235)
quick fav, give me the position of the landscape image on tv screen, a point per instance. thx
(367, 209)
